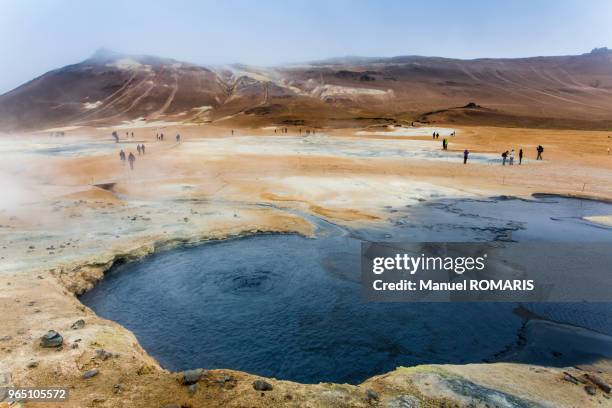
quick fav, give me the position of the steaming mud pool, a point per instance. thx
(290, 307)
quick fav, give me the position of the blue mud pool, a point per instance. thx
(290, 307)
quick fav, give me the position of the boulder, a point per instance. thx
(191, 376)
(91, 373)
(51, 339)
(79, 324)
(261, 385)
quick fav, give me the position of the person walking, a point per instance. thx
(520, 156)
(504, 157)
(138, 148)
(511, 158)
(131, 159)
(142, 148)
(178, 138)
(122, 156)
(466, 153)
(540, 150)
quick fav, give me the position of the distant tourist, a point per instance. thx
(540, 150)
(131, 159)
(504, 157)
(161, 137)
(142, 148)
(466, 153)
(511, 158)
(178, 138)
(122, 156)
(520, 156)
(138, 148)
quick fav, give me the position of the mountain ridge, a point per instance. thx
(111, 87)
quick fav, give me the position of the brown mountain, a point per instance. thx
(562, 91)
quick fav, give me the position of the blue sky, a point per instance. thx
(39, 35)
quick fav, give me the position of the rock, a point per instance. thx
(261, 385)
(79, 324)
(51, 339)
(171, 406)
(32, 364)
(605, 387)
(103, 354)
(570, 378)
(6, 338)
(372, 395)
(191, 376)
(403, 401)
(193, 388)
(117, 388)
(91, 373)
(590, 389)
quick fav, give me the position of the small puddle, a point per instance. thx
(289, 307)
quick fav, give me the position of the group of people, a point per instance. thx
(160, 136)
(140, 148)
(130, 158)
(436, 135)
(509, 157)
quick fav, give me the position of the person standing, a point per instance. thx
(511, 158)
(142, 148)
(122, 156)
(504, 156)
(520, 156)
(131, 159)
(138, 148)
(466, 153)
(540, 150)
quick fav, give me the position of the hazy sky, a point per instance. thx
(39, 35)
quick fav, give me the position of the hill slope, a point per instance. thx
(564, 91)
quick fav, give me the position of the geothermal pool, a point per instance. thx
(290, 307)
